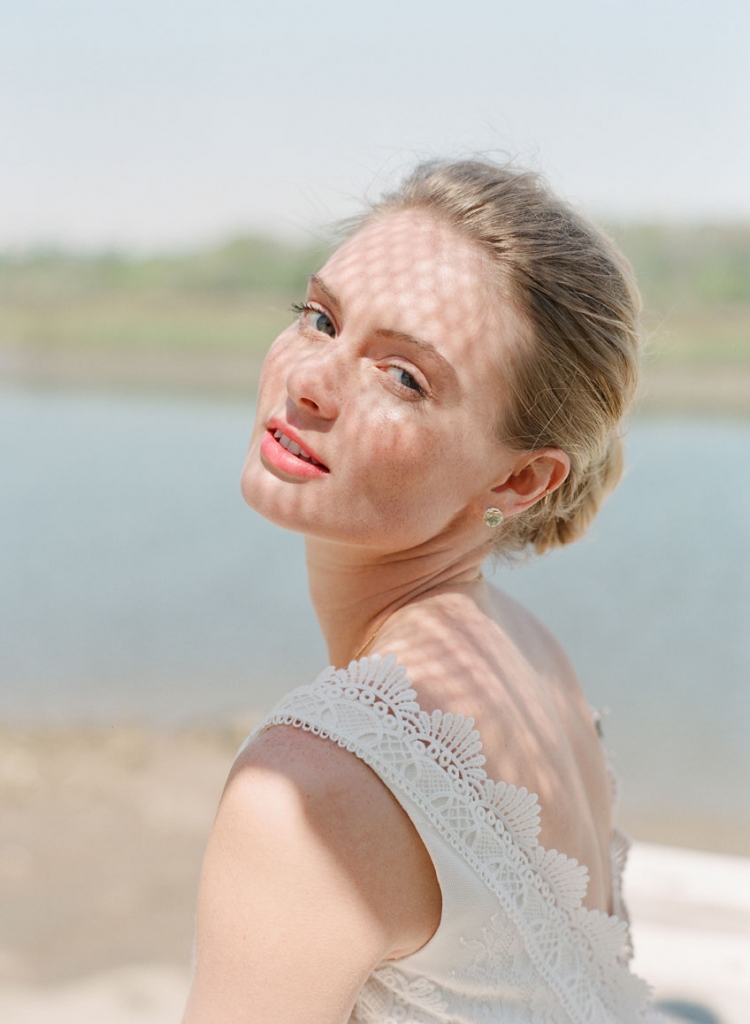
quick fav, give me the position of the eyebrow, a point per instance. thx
(384, 332)
(320, 284)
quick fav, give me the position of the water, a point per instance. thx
(135, 583)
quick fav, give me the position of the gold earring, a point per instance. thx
(492, 517)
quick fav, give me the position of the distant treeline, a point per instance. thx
(695, 281)
(248, 265)
(696, 266)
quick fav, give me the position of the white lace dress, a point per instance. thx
(514, 943)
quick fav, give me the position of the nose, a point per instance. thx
(314, 382)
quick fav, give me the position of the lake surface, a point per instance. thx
(135, 583)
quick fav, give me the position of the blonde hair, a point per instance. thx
(574, 377)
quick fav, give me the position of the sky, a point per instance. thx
(153, 124)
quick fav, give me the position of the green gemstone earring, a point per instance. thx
(493, 517)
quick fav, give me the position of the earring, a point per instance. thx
(492, 517)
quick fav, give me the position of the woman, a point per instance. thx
(453, 386)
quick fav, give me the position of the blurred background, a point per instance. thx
(169, 176)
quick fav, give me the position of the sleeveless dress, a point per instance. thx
(514, 945)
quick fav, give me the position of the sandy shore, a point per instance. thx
(102, 833)
(705, 389)
(102, 836)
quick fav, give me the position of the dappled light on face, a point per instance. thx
(429, 273)
(390, 381)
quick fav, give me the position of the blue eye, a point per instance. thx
(320, 322)
(315, 318)
(405, 379)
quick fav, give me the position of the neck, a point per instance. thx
(354, 592)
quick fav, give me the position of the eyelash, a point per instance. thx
(300, 308)
(418, 390)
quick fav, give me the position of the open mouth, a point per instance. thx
(296, 449)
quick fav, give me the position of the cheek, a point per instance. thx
(271, 382)
(271, 375)
(275, 363)
(406, 470)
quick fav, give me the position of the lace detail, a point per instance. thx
(618, 855)
(499, 953)
(619, 848)
(390, 996)
(436, 759)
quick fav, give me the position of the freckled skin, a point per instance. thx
(403, 468)
(310, 849)
(397, 522)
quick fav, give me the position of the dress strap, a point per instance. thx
(435, 763)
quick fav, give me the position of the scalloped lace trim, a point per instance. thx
(370, 709)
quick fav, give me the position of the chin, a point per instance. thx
(277, 500)
(305, 508)
(262, 492)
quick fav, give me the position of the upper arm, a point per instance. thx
(313, 875)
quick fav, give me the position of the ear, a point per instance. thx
(533, 476)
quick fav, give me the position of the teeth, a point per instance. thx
(294, 448)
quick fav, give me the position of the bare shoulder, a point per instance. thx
(539, 644)
(313, 875)
(345, 804)
(490, 658)
(452, 635)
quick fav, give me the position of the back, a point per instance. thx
(514, 942)
(491, 660)
(430, 888)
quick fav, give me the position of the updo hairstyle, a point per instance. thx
(574, 374)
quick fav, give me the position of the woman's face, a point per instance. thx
(388, 387)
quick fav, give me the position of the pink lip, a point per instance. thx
(274, 424)
(275, 454)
